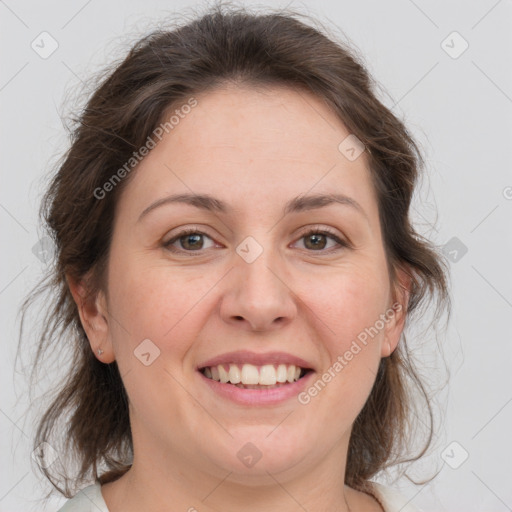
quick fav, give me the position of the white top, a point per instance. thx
(90, 499)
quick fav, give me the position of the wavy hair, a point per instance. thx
(163, 69)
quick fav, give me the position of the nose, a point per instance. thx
(258, 295)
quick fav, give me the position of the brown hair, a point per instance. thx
(164, 69)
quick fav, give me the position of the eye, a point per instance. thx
(192, 240)
(317, 239)
(189, 240)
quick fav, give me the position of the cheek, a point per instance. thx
(159, 303)
(350, 334)
(350, 302)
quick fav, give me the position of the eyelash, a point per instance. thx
(314, 231)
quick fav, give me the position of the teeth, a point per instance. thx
(248, 374)
(290, 374)
(281, 373)
(268, 375)
(234, 374)
(223, 374)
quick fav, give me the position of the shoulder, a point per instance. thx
(88, 499)
(391, 500)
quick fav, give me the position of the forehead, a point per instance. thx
(264, 122)
(240, 143)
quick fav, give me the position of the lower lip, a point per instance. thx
(258, 396)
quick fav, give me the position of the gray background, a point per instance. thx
(459, 108)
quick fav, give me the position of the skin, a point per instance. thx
(254, 149)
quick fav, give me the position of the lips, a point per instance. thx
(241, 357)
(257, 395)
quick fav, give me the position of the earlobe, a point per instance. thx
(386, 348)
(397, 313)
(396, 320)
(93, 312)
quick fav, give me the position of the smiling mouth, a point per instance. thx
(248, 376)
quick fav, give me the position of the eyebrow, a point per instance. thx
(295, 205)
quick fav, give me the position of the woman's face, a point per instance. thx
(249, 281)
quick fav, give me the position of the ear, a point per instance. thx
(396, 313)
(94, 317)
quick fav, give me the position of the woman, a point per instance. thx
(235, 268)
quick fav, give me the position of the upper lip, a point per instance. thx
(257, 359)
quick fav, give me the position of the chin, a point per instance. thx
(254, 452)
